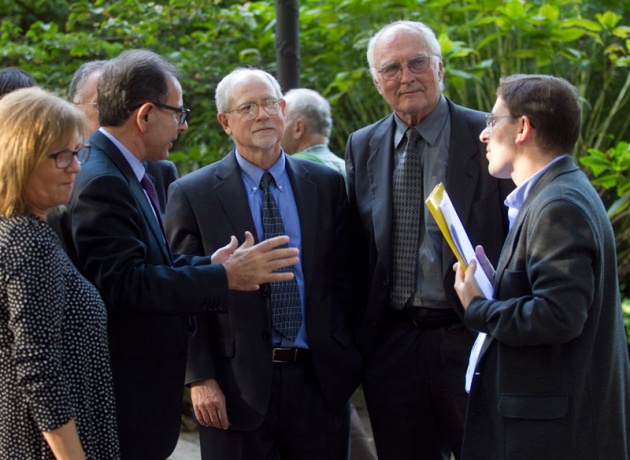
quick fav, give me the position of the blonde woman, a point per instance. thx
(56, 394)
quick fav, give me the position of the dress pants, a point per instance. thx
(298, 424)
(414, 389)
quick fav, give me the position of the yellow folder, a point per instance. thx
(439, 202)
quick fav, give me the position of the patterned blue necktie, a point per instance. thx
(407, 206)
(285, 295)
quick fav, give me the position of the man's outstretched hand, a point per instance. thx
(250, 265)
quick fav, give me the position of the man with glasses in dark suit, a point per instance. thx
(116, 237)
(273, 377)
(412, 335)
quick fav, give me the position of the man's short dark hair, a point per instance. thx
(13, 78)
(550, 103)
(130, 80)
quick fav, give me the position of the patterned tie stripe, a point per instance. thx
(285, 295)
(407, 205)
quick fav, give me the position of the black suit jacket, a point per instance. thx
(118, 245)
(477, 197)
(204, 209)
(553, 378)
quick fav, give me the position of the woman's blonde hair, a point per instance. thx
(33, 124)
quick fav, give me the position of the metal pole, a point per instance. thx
(288, 43)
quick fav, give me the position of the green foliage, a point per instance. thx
(587, 43)
(611, 171)
(625, 306)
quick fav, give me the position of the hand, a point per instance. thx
(252, 265)
(485, 263)
(222, 254)
(465, 284)
(209, 404)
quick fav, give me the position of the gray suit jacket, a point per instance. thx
(553, 378)
(477, 197)
(204, 209)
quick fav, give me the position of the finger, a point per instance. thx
(271, 243)
(232, 245)
(276, 277)
(200, 416)
(249, 240)
(223, 418)
(276, 263)
(470, 271)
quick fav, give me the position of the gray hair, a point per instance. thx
(77, 85)
(222, 94)
(312, 107)
(425, 33)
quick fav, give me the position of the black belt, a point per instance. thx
(429, 318)
(289, 355)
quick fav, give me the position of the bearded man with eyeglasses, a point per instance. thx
(262, 389)
(412, 336)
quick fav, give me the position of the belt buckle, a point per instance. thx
(277, 360)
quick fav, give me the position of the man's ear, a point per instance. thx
(143, 116)
(525, 130)
(225, 123)
(299, 128)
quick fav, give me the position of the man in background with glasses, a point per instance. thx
(272, 378)
(412, 335)
(116, 238)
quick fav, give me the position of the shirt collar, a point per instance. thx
(254, 173)
(136, 165)
(429, 128)
(514, 201)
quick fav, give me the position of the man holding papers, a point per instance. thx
(552, 378)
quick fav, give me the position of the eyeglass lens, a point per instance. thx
(249, 111)
(415, 66)
(64, 159)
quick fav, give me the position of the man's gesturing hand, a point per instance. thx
(251, 265)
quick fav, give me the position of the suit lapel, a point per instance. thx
(462, 173)
(305, 193)
(102, 142)
(380, 173)
(231, 194)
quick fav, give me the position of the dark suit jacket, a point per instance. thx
(163, 173)
(477, 197)
(118, 245)
(554, 378)
(204, 209)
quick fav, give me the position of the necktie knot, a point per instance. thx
(413, 140)
(265, 181)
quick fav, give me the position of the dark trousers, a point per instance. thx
(414, 389)
(298, 424)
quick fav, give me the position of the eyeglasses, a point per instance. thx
(183, 113)
(63, 159)
(250, 111)
(416, 66)
(492, 119)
